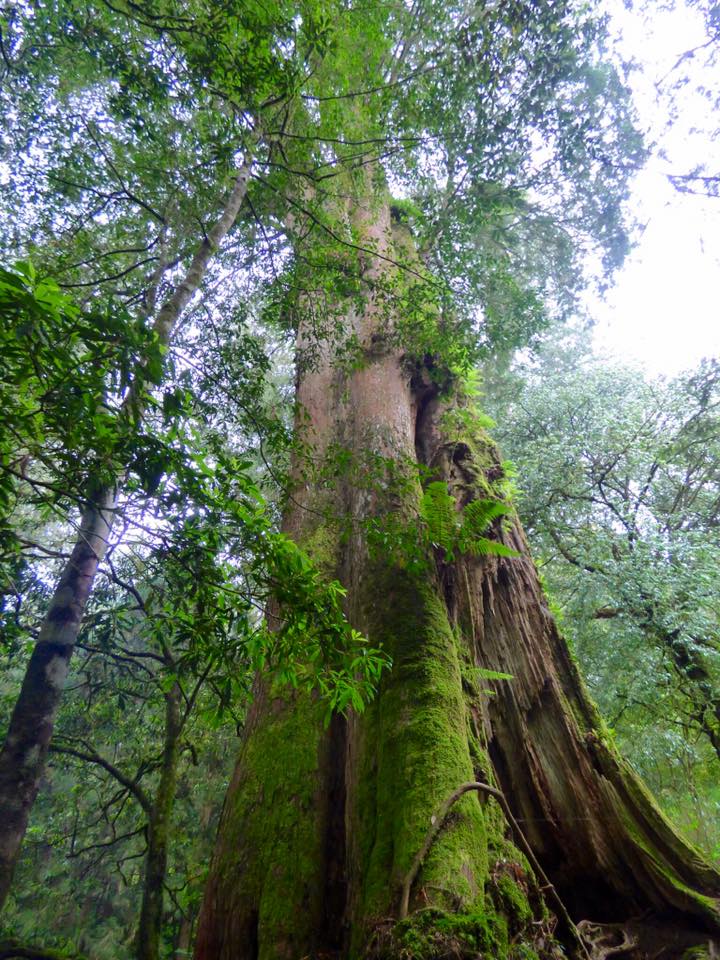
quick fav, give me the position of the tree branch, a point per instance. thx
(88, 755)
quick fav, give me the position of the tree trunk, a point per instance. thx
(589, 820)
(22, 760)
(24, 753)
(321, 826)
(159, 822)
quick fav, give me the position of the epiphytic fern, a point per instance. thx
(451, 530)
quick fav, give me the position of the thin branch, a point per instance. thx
(88, 755)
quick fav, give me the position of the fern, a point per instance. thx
(479, 514)
(486, 674)
(482, 547)
(451, 531)
(437, 509)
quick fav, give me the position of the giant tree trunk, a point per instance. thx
(320, 826)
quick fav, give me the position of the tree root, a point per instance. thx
(435, 826)
(599, 935)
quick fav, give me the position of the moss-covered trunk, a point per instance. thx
(589, 820)
(149, 933)
(321, 826)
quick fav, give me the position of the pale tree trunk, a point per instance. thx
(22, 760)
(24, 753)
(321, 827)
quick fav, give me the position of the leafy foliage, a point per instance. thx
(451, 531)
(621, 499)
(126, 123)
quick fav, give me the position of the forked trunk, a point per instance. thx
(321, 826)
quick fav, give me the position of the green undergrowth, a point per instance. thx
(702, 951)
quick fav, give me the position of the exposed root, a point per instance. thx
(432, 833)
(599, 938)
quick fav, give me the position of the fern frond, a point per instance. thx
(486, 674)
(479, 514)
(482, 547)
(437, 509)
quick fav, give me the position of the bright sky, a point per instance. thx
(664, 310)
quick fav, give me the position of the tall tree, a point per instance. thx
(515, 142)
(327, 836)
(87, 108)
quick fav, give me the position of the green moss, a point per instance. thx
(415, 753)
(272, 852)
(699, 952)
(523, 951)
(434, 933)
(322, 547)
(512, 902)
(482, 767)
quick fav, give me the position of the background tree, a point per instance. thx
(620, 499)
(111, 127)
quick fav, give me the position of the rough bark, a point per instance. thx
(266, 895)
(590, 821)
(338, 817)
(24, 753)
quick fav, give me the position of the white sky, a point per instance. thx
(664, 310)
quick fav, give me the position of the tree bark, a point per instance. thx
(321, 828)
(158, 834)
(24, 753)
(590, 821)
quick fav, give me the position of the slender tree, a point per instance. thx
(173, 61)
